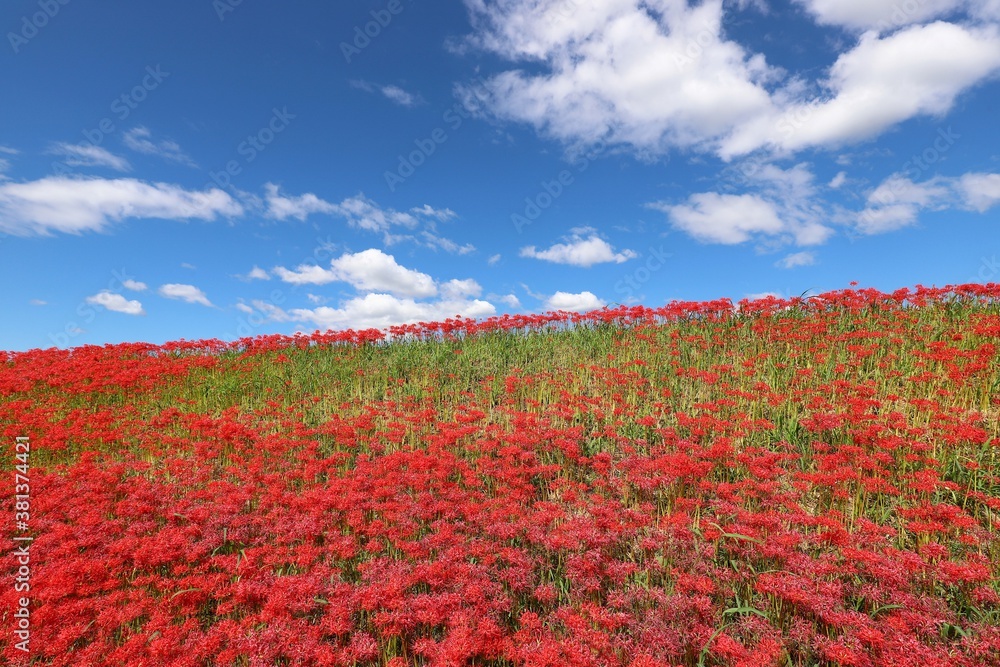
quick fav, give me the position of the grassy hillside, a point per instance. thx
(802, 482)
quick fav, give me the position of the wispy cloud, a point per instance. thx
(140, 140)
(796, 259)
(88, 155)
(391, 92)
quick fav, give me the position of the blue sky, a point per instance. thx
(201, 169)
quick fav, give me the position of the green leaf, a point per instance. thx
(746, 610)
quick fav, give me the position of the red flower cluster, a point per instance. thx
(778, 482)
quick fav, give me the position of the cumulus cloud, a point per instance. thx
(511, 300)
(76, 205)
(188, 293)
(379, 311)
(722, 218)
(661, 75)
(88, 155)
(878, 14)
(580, 251)
(116, 302)
(134, 285)
(458, 289)
(140, 139)
(567, 301)
(898, 201)
(917, 71)
(980, 191)
(370, 270)
(781, 210)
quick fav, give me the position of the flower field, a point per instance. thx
(800, 482)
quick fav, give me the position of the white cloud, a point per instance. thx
(711, 217)
(281, 207)
(838, 180)
(134, 285)
(38, 302)
(243, 308)
(797, 259)
(493, 259)
(458, 289)
(567, 301)
(428, 211)
(140, 140)
(886, 218)
(511, 300)
(650, 75)
(88, 155)
(359, 211)
(363, 213)
(898, 201)
(900, 190)
(660, 75)
(257, 273)
(878, 14)
(392, 92)
(116, 303)
(879, 83)
(782, 210)
(580, 251)
(980, 191)
(5, 163)
(75, 205)
(188, 293)
(379, 311)
(370, 270)
(399, 96)
(434, 241)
